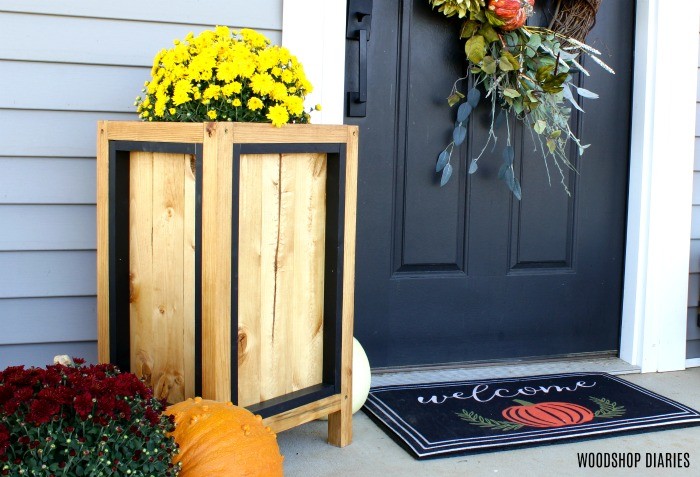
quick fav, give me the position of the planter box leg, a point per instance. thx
(340, 424)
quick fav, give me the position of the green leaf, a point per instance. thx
(488, 66)
(493, 19)
(539, 126)
(551, 145)
(475, 48)
(514, 63)
(475, 419)
(534, 43)
(518, 106)
(504, 64)
(607, 408)
(543, 72)
(511, 93)
(488, 33)
(555, 134)
(455, 98)
(469, 27)
(478, 16)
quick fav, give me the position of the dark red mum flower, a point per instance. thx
(83, 405)
(4, 439)
(42, 411)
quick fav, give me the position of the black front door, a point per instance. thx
(467, 272)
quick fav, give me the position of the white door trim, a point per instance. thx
(661, 171)
(314, 31)
(660, 189)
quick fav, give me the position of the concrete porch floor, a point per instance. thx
(373, 453)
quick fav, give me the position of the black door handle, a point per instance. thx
(359, 24)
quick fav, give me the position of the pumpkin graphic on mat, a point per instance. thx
(547, 414)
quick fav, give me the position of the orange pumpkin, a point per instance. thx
(220, 439)
(547, 414)
(513, 13)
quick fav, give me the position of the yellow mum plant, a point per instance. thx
(225, 75)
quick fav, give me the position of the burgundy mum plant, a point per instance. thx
(82, 420)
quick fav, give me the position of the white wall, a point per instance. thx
(63, 66)
(693, 346)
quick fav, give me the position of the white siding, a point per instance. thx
(63, 66)
(693, 348)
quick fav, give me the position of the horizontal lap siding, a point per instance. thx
(66, 65)
(693, 339)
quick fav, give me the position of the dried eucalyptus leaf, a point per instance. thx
(473, 167)
(586, 93)
(459, 134)
(473, 97)
(465, 109)
(502, 171)
(442, 161)
(570, 97)
(509, 177)
(508, 155)
(517, 191)
(446, 174)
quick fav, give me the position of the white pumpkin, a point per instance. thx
(361, 377)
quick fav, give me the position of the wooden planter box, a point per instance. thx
(225, 264)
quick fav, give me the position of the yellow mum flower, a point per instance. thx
(212, 92)
(208, 76)
(279, 92)
(295, 104)
(253, 38)
(262, 83)
(181, 94)
(287, 76)
(267, 59)
(222, 31)
(254, 104)
(231, 89)
(278, 115)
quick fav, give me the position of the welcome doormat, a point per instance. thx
(440, 419)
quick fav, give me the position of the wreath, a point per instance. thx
(527, 72)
